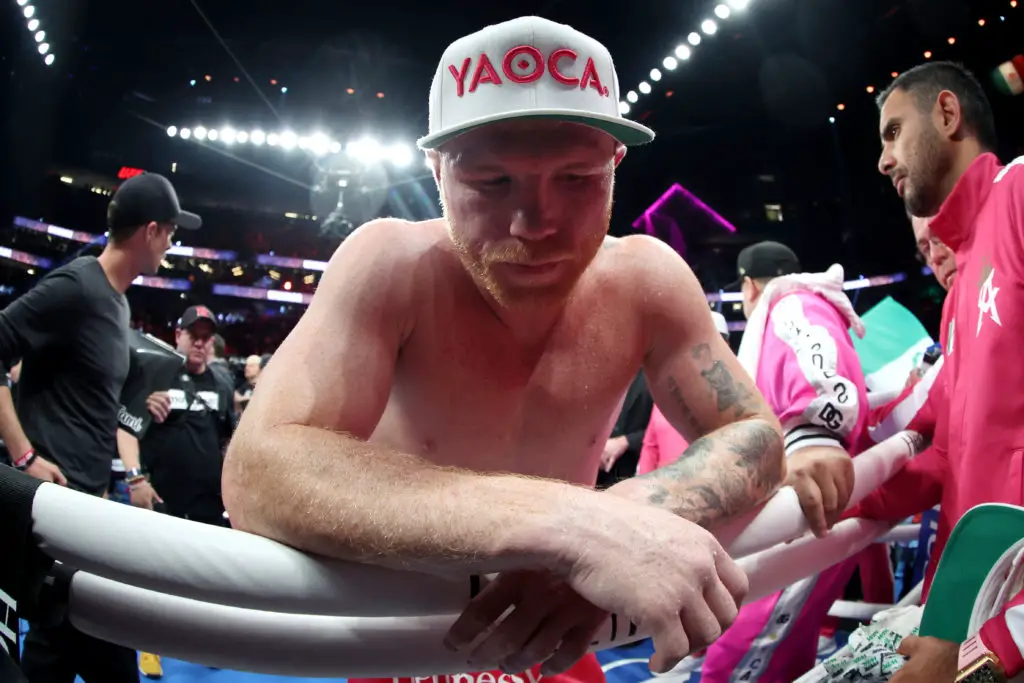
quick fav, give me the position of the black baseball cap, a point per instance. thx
(765, 260)
(149, 197)
(194, 314)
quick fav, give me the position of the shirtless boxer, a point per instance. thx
(452, 385)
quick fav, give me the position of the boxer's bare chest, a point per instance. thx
(467, 393)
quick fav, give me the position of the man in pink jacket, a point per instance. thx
(797, 347)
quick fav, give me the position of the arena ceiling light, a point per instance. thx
(722, 11)
(366, 150)
(34, 26)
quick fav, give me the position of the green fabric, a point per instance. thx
(893, 344)
(978, 541)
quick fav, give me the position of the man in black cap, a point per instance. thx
(183, 437)
(758, 264)
(71, 332)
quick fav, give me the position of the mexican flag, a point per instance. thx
(893, 345)
(1009, 76)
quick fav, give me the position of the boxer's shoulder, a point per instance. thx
(395, 239)
(639, 262)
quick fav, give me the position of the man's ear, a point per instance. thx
(434, 158)
(948, 115)
(620, 153)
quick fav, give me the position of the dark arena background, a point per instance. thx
(287, 125)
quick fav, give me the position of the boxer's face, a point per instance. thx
(937, 255)
(528, 204)
(915, 155)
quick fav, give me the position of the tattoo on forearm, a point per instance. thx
(725, 473)
(720, 476)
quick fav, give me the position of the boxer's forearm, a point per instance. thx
(721, 475)
(348, 499)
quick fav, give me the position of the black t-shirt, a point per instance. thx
(71, 332)
(184, 453)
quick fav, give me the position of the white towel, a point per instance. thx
(828, 284)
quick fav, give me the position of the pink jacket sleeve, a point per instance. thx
(649, 451)
(662, 444)
(810, 374)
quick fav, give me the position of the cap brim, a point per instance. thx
(182, 326)
(733, 286)
(187, 220)
(625, 131)
(976, 544)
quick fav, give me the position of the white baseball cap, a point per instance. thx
(527, 68)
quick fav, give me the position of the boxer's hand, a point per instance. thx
(159, 405)
(822, 477)
(47, 471)
(143, 495)
(668, 576)
(551, 624)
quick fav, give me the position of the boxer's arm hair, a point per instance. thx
(300, 468)
(736, 458)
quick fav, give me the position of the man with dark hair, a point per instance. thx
(938, 141)
(71, 330)
(917, 107)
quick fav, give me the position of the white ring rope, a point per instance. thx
(230, 599)
(325, 646)
(229, 567)
(781, 519)
(273, 642)
(224, 566)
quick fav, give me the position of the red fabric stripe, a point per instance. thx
(996, 635)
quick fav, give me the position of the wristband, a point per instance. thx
(133, 473)
(26, 460)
